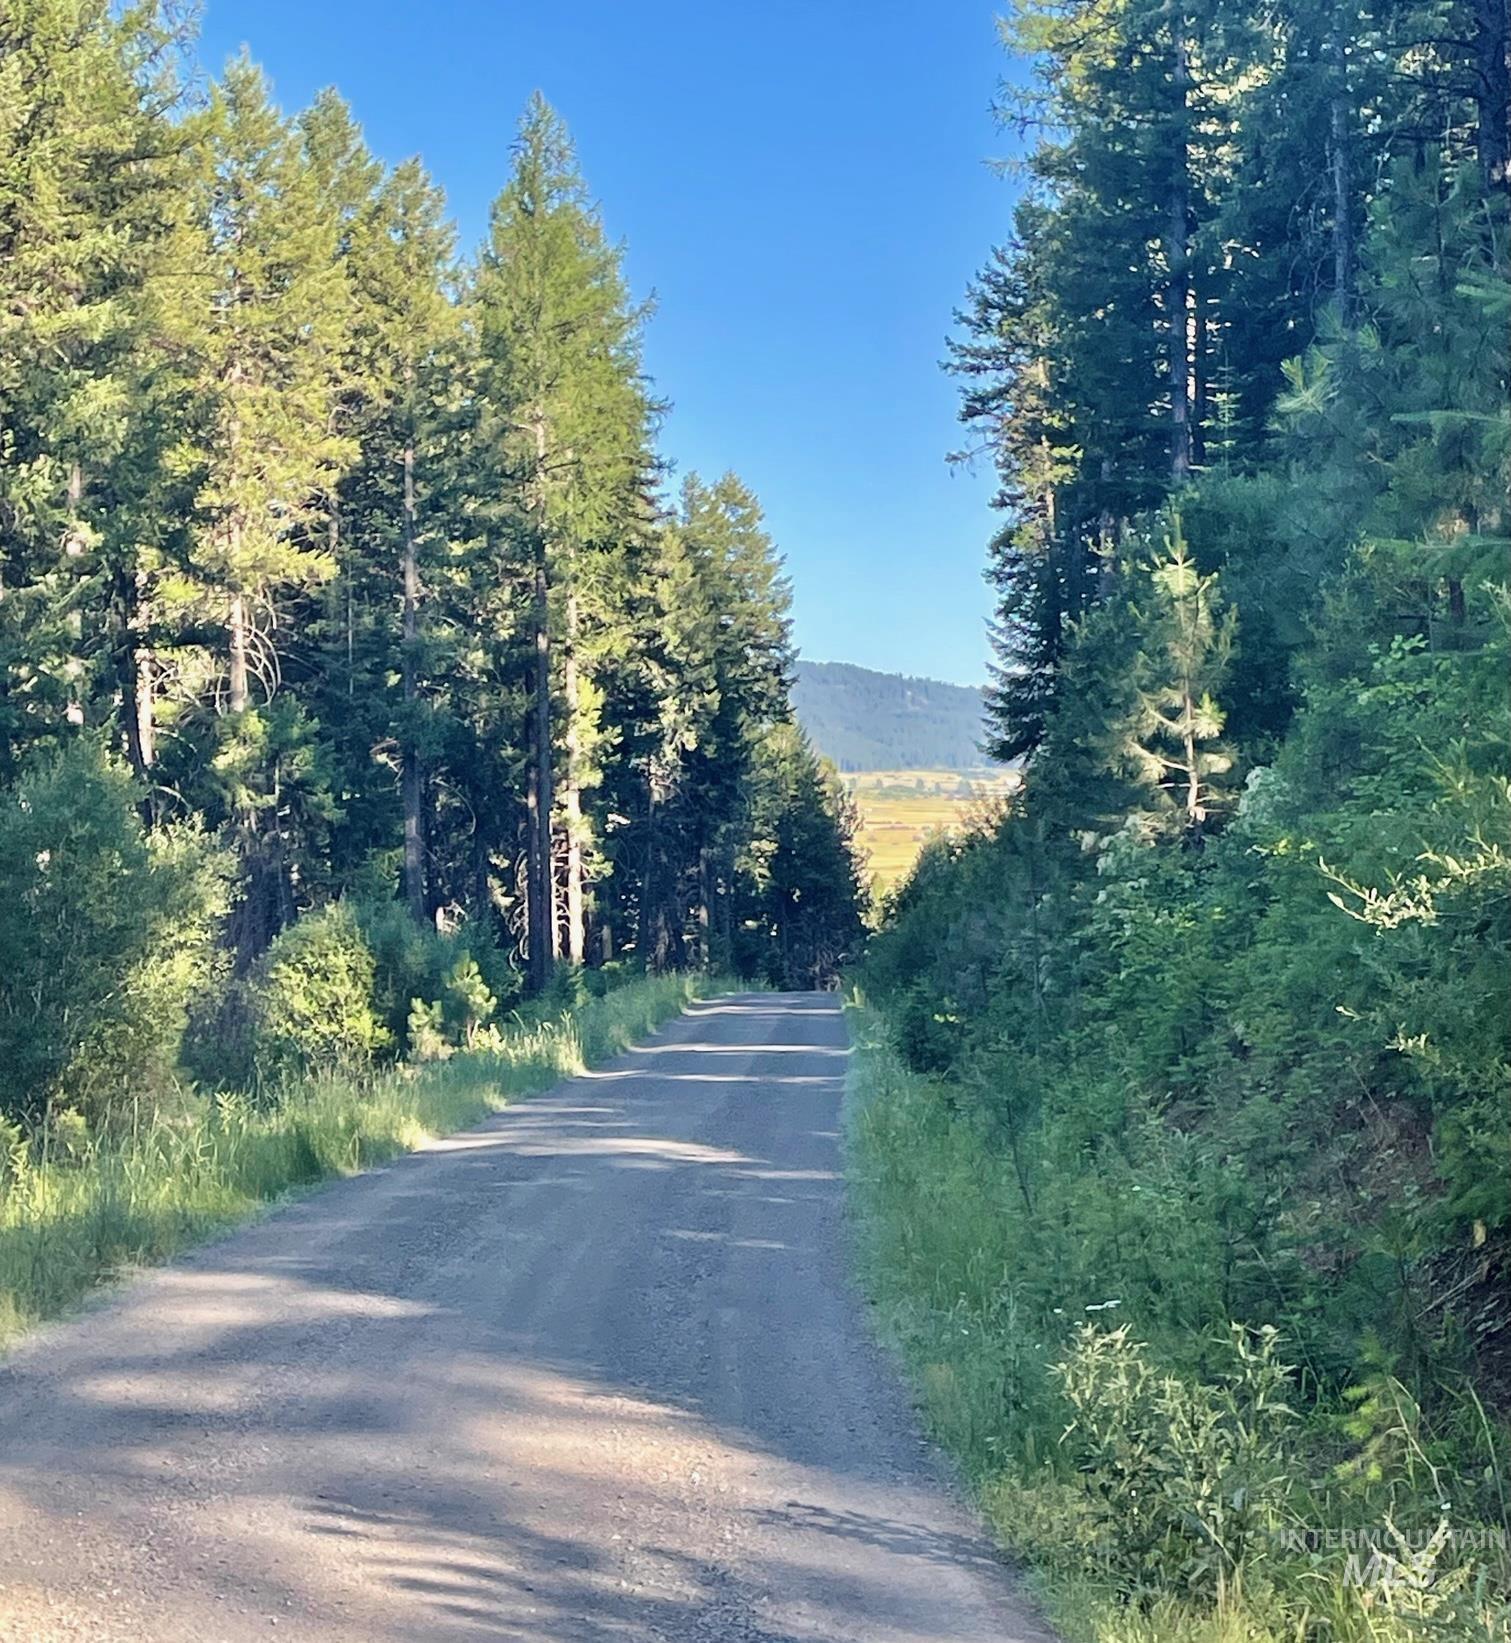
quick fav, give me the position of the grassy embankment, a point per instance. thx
(75, 1217)
(1158, 1489)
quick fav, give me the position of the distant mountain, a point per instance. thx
(885, 721)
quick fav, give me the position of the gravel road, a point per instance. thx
(592, 1371)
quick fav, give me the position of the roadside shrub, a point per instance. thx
(1188, 1480)
(445, 987)
(426, 1031)
(607, 977)
(15, 1151)
(1172, 1478)
(467, 1003)
(107, 937)
(313, 1001)
(566, 990)
(65, 1138)
(927, 1033)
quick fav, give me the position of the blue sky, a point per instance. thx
(802, 185)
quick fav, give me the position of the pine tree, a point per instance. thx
(270, 313)
(566, 407)
(90, 169)
(1188, 642)
(722, 657)
(390, 512)
(800, 893)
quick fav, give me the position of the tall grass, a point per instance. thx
(1174, 1492)
(82, 1208)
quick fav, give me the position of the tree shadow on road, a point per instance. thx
(546, 1381)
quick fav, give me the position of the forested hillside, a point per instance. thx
(358, 679)
(862, 720)
(1184, 1124)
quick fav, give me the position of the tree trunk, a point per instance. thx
(1178, 259)
(75, 545)
(140, 702)
(1492, 63)
(1107, 543)
(1199, 378)
(138, 679)
(543, 944)
(724, 958)
(141, 726)
(1458, 610)
(535, 966)
(543, 936)
(236, 624)
(1340, 166)
(342, 589)
(705, 911)
(1195, 811)
(571, 793)
(649, 938)
(411, 779)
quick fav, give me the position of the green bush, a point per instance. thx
(415, 965)
(1268, 1076)
(313, 999)
(106, 941)
(1189, 1482)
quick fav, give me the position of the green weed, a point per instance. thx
(1161, 1485)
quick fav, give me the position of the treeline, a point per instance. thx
(337, 581)
(1213, 1020)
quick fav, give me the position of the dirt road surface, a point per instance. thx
(592, 1371)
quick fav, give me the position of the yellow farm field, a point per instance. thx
(900, 810)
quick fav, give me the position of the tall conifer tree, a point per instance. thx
(567, 410)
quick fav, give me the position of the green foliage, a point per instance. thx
(355, 550)
(470, 1004)
(75, 1212)
(798, 912)
(1188, 1482)
(1264, 1080)
(1255, 1066)
(716, 696)
(426, 1031)
(1167, 1475)
(272, 306)
(433, 983)
(107, 938)
(1181, 666)
(313, 999)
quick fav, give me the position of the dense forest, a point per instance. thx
(863, 720)
(358, 676)
(1188, 1125)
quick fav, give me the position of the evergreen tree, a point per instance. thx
(1187, 642)
(391, 514)
(800, 894)
(269, 319)
(271, 312)
(720, 682)
(567, 412)
(90, 169)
